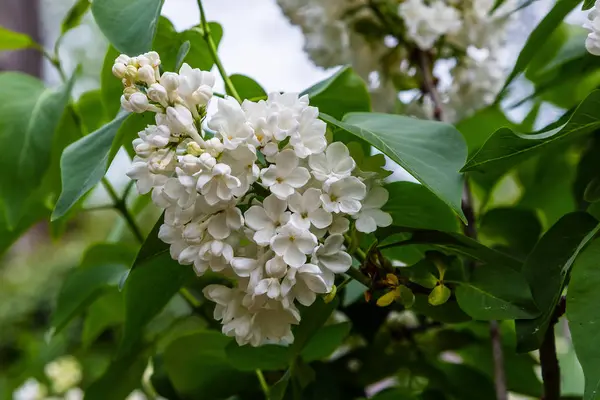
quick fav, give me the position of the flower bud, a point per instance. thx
(129, 90)
(146, 74)
(207, 161)
(122, 59)
(170, 81)
(153, 57)
(202, 95)
(119, 70)
(180, 119)
(157, 93)
(131, 73)
(143, 60)
(214, 146)
(194, 149)
(141, 148)
(126, 104)
(139, 102)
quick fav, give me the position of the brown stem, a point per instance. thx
(498, 356)
(429, 85)
(470, 230)
(548, 358)
(550, 368)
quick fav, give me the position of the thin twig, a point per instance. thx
(470, 230)
(213, 50)
(263, 383)
(121, 207)
(548, 358)
(429, 85)
(498, 356)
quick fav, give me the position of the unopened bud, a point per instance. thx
(170, 81)
(157, 93)
(154, 58)
(129, 90)
(122, 59)
(180, 119)
(331, 295)
(141, 148)
(139, 102)
(146, 75)
(202, 95)
(131, 73)
(194, 149)
(126, 104)
(143, 61)
(119, 70)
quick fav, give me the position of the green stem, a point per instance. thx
(189, 297)
(213, 50)
(121, 207)
(263, 383)
(359, 276)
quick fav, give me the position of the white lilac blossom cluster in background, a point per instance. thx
(254, 193)
(592, 42)
(466, 36)
(63, 374)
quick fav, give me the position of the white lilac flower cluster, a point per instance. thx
(257, 195)
(592, 42)
(466, 39)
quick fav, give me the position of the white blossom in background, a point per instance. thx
(339, 32)
(592, 42)
(264, 202)
(63, 373)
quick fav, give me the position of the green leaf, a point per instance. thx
(199, 368)
(496, 292)
(91, 110)
(592, 191)
(279, 389)
(412, 205)
(505, 148)
(108, 253)
(122, 376)
(111, 87)
(587, 4)
(340, 94)
(547, 269)
(313, 318)
(458, 244)
(539, 35)
(128, 131)
(168, 42)
(269, 357)
(512, 230)
(395, 394)
(439, 295)
(183, 51)
(103, 313)
(84, 163)
(74, 15)
(11, 40)
(247, 87)
(129, 26)
(325, 342)
(582, 312)
(432, 152)
(27, 127)
(82, 287)
(477, 128)
(153, 280)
